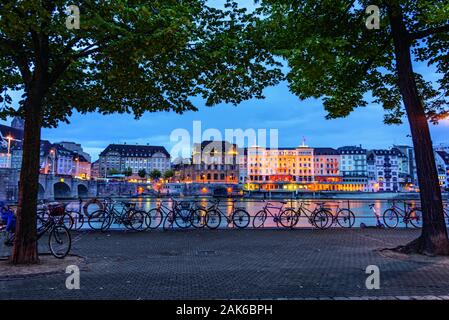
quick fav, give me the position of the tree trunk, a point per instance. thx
(433, 239)
(25, 243)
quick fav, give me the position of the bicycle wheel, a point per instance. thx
(137, 220)
(213, 219)
(240, 218)
(391, 218)
(259, 219)
(168, 221)
(59, 241)
(345, 218)
(415, 218)
(97, 219)
(156, 218)
(183, 218)
(320, 219)
(288, 218)
(199, 218)
(78, 220)
(66, 220)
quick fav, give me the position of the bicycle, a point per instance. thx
(409, 215)
(344, 217)
(319, 217)
(77, 216)
(59, 239)
(199, 216)
(128, 216)
(239, 217)
(286, 217)
(180, 214)
(62, 217)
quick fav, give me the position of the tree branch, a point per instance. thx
(428, 32)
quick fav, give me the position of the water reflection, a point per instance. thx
(360, 208)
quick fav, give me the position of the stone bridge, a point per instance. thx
(59, 187)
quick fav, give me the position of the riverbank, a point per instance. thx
(240, 264)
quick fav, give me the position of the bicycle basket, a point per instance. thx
(56, 209)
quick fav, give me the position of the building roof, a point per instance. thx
(385, 152)
(16, 134)
(224, 145)
(128, 150)
(351, 150)
(325, 151)
(445, 156)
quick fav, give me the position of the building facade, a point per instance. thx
(213, 162)
(117, 158)
(383, 170)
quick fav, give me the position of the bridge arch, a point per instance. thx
(82, 190)
(61, 190)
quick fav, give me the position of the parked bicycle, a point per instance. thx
(59, 239)
(318, 217)
(343, 217)
(408, 214)
(62, 217)
(237, 217)
(180, 214)
(78, 216)
(287, 217)
(128, 216)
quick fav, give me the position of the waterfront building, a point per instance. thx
(327, 170)
(213, 162)
(353, 168)
(280, 168)
(10, 138)
(442, 162)
(243, 165)
(95, 169)
(117, 158)
(76, 148)
(383, 170)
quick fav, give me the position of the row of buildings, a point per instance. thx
(348, 168)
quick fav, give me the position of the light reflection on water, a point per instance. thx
(360, 208)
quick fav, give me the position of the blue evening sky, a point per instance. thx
(280, 110)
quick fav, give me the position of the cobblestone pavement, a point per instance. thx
(240, 264)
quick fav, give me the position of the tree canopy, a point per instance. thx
(332, 55)
(129, 56)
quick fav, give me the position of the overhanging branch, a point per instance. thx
(428, 32)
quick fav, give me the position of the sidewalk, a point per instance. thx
(239, 264)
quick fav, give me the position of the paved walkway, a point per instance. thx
(239, 264)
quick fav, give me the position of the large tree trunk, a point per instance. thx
(25, 244)
(433, 239)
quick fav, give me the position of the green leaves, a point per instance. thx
(333, 56)
(132, 56)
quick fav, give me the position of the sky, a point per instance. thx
(281, 110)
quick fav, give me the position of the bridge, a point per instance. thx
(59, 187)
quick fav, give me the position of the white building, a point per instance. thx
(119, 157)
(383, 170)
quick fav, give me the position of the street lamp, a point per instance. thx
(52, 154)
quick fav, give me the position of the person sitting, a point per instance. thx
(9, 222)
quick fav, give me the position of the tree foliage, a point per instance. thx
(155, 174)
(332, 55)
(129, 56)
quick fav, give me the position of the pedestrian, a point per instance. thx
(8, 221)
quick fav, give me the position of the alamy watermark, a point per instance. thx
(72, 282)
(212, 147)
(373, 280)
